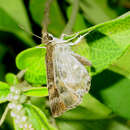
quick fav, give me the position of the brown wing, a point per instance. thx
(60, 101)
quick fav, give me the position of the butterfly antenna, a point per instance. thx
(46, 21)
(30, 32)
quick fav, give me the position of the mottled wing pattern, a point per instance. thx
(70, 77)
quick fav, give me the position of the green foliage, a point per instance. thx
(33, 61)
(20, 9)
(107, 46)
(37, 118)
(11, 79)
(101, 10)
(4, 91)
(10, 22)
(91, 125)
(57, 21)
(89, 109)
(37, 92)
(122, 65)
(113, 90)
(117, 97)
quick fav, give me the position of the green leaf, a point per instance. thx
(107, 42)
(80, 22)
(10, 22)
(109, 124)
(57, 21)
(97, 11)
(122, 65)
(16, 125)
(4, 91)
(11, 79)
(114, 91)
(37, 118)
(117, 97)
(13, 8)
(33, 60)
(89, 109)
(37, 92)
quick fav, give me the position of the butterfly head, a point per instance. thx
(47, 38)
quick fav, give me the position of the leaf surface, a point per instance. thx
(4, 91)
(37, 118)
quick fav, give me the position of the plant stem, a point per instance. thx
(4, 115)
(71, 22)
(46, 16)
(21, 74)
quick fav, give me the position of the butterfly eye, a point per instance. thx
(50, 37)
(47, 37)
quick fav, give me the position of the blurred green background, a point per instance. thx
(111, 87)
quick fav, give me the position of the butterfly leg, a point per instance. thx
(79, 39)
(63, 35)
(82, 59)
(40, 47)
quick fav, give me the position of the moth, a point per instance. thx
(67, 77)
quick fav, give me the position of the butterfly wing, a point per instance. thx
(70, 77)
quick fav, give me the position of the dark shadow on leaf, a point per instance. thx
(93, 69)
(104, 80)
(106, 124)
(93, 36)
